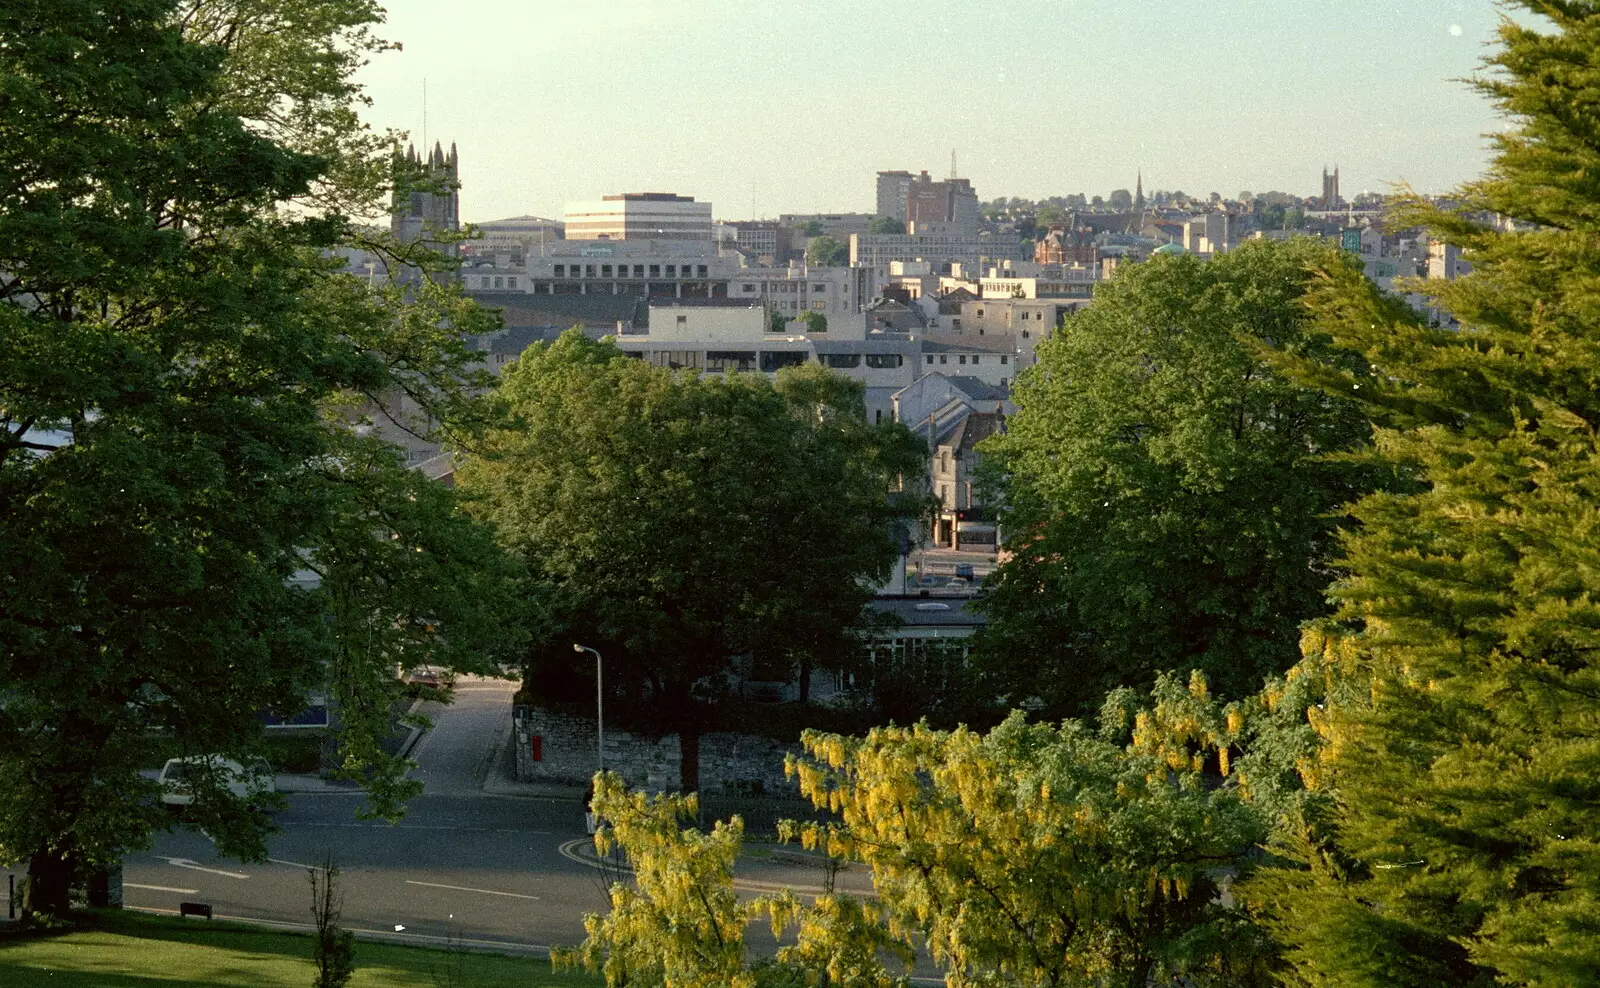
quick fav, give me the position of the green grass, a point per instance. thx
(114, 949)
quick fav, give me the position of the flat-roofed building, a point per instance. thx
(640, 216)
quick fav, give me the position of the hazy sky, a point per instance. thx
(796, 105)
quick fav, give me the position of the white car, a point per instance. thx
(247, 783)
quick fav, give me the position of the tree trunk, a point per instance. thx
(49, 888)
(689, 754)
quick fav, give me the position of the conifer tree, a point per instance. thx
(1464, 849)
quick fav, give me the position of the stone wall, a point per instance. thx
(742, 764)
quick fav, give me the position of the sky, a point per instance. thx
(794, 107)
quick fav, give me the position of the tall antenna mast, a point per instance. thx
(424, 115)
(952, 163)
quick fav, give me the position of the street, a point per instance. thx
(485, 868)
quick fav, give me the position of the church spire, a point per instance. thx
(1138, 191)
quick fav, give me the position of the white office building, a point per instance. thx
(640, 216)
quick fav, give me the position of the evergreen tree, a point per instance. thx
(1466, 845)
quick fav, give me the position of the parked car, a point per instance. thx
(248, 782)
(964, 571)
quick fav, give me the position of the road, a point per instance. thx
(464, 864)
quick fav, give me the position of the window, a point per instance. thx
(561, 270)
(980, 313)
(749, 288)
(655, 270)
(930, 358)
(963, 358)
(683, 320)
(499, 283)
(772, 360)
(672, 271)
(877, 416)
(883, 360)
(842, 360)
(819, 306)
(1024, 317)
(588, 270)
(701, 270)
(1003, 359)
(943, 359)
(819, 288)
(1004, 382)
(605, 270)
(511, 282)
(1025, 334)
(730, 360)
(485, 282)
(975, 359)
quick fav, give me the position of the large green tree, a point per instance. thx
(174, 342)
(1168, 498)
(686, 520)
(1464, 851)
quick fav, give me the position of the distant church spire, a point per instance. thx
(1138, 191)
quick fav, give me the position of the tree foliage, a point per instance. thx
(1168, 498)
(1463, 851)
(173, 454)
(683, 520)
(826, 252)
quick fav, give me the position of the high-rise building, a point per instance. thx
(640, 216)
(951, 205)
(893, 188)
(1330, 188)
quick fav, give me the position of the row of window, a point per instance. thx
(588, 271)
(767, 360)
(499, 282)
(944, 358)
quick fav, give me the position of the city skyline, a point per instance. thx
(795, 110)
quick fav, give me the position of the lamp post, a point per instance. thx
(599, 704)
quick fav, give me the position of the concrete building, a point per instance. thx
(762, 242)
(994, 360)
(649, 268)
(798, 288)
(879, 250)
(894, 187)
(640, 216)
(1208, 233)
(954, 414)
(836, 225)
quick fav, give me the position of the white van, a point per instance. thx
(246, 783)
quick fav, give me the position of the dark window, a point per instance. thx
(772, 360)
(975, 358)
(930, 358)
(655, 270)
(943, 359)
(561, 270)
(701, 270)
(882, 360)
(1003, 359)
(672, 271)
(605, 270)
(963, 358)
(588, 270)
(842, 360)
(730, 360)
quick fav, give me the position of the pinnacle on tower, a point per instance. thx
(1138, 190)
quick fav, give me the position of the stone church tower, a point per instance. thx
(435, 206)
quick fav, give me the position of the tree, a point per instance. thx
(826, 252)
(172, 449)
(1121, 199)
(332, 946)
(1462, 851)
(1049, 855)
(1049, 216)
(1168, 499)
(886, 224)
(684, 520)
(815, 322)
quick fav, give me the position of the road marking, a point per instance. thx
(570, 851)
(296, 864)
(537, 948)
(196, 866)
(160, 888)
(462, 888)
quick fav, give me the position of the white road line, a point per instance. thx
(160, 888)
(196, 866)
(296, 864)
(537, 948)
(461, 888)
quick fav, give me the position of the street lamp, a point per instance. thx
(599, 703)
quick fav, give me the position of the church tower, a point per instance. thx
(426, 197)
(1138, 192)
(1330, 188)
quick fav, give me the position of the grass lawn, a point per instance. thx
(114, 949)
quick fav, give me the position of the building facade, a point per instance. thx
(640, 216)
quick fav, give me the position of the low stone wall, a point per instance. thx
(741, 764)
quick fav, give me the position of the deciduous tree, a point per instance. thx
(1169, 500)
